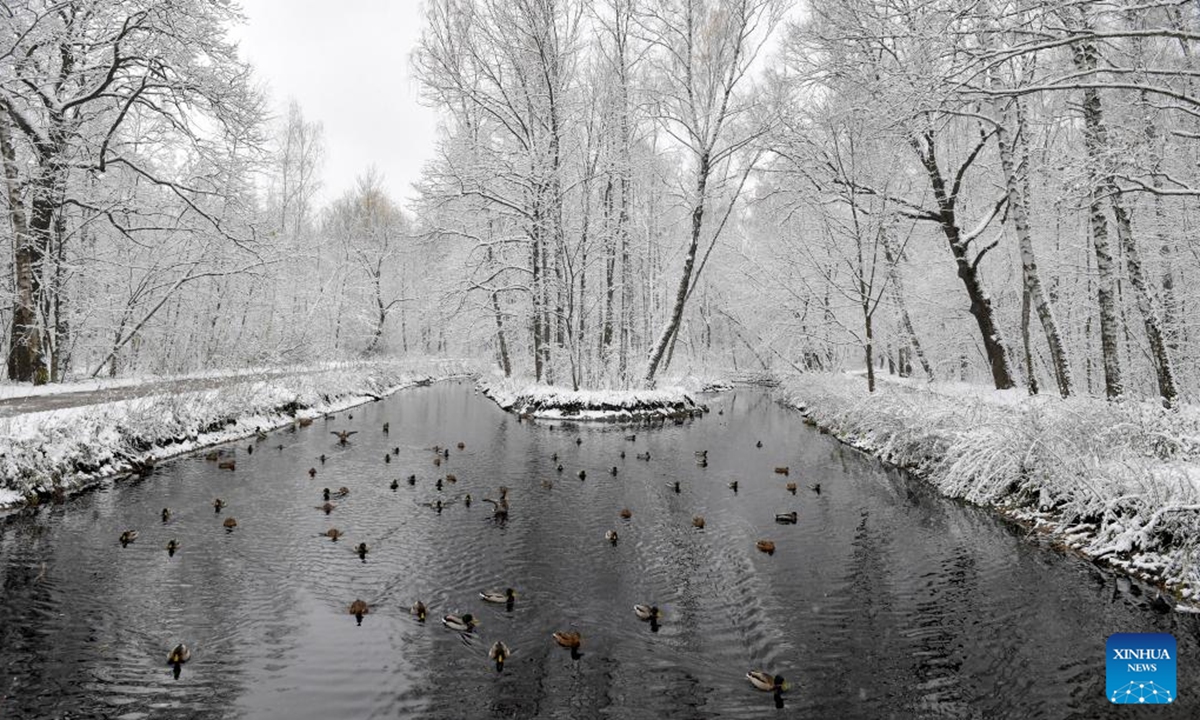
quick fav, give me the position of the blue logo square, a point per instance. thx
(1140, 668)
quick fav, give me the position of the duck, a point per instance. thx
(386, 427)
(499, 653)
(781, 470)
(172, 546)
(166, 514)
(249, 449)
(312, 473)
(554, 457)
(508, 597)
(622, 454)
(675, 487)
(701, 453)
(583, 474)
(418, 610)
(128, 536)
(325, 494)
(467, 500)
(558, 467)
(766, 682)
(446, 453)
(578, 441)
(791, 487)
(395, 484)
(571, 640)
(343, 436)
(304, 422)
(322, 458)
(758, 444)
(358, 608)
(179, 655)
(631, 438)
(815, 487)
(461, 445)
(362, 550)
(788, 518)
(733, 486)
(702, 462)
(626, 513)
(326, 507)
(451, 478)
(396, 450)
(611, 536)
(213, 456)
(227, 465)
(342, 492)
(644, 456)
(333, 534)
(613, 472)
(766, 546)
(437, 461)
(229, 524)
(438, 484)
(218, 504)
(387, 458)
(279, 447)
(412, 479)
(647, 612)
(548, 484)
(698, 522)
(465, 623)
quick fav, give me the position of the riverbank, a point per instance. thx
(1116, 482)
(52, 454)
(547, 402)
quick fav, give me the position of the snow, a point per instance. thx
(549, 402)
(67, 450)
(1117, 482)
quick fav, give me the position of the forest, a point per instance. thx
(1001, 193)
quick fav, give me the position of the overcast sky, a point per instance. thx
(346, 62)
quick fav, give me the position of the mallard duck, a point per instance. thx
(304, 422)
(548, 484)
(451, 478)
(387, 458)
(571, 640)
(733, 486)
(418, 609)
(698, 521)
(325, 494)
(438, 484)
(227, 465)
(558, 467)
(702, 462)
(675, 487)
(396, 450)
(647, 612)
(128, 536)
(343, 436)
(326, 507)
(611, 536)
(312, 473)
(218, 505)
(333, 534)
(179, 655)
(166, 514)
(508, 597)
(631, 438)
(467, 500)
(554, 457)
(412, 479)
(583, 474)
(787, 518)
(230, 524)
(765, 681)
(781, 470)
(613, 471)
(499, 652)
(758, 444)
(765, 546)
(815, 487)
(358, 608)
(465, 623)
(213, 456)
(643, 456)
(342, 492)
(279, 447)
(791, 487)
(322, 458)
(622, 454)
(437, 461)
(578, 441)
(362, 551)
(249, 449)
(701, 453)
(446, 453)
(386, 427)
(462, 445)
(395, 484)
(626, 513)
(172, 546)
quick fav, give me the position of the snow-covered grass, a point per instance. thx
(62, 451)
(549, 402)
(1117, 482)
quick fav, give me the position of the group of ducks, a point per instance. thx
(499, 652)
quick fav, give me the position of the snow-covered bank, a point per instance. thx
(1119, 483)
(554, 403)
(56, 453)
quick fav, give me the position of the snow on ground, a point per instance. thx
(1118, 482)
(549, 402)
(62, 451)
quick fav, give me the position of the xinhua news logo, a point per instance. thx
(1140, 668)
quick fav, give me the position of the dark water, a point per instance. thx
(883, 601)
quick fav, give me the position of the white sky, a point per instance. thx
(346, 62)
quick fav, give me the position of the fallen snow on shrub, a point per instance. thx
(62, 451)
(554, 403)
(1119, 482)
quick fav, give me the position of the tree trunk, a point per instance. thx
(24, 355)
(504, 361)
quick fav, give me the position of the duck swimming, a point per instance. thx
(647, 612)
(326, 508)
(791, 487)
(499, 652)
(412, 479)
(172, 546)
(765, 546)
(508, 597)
(781, 470)
(583, 474)
(643, 456)
(698, 522)
(571, 640)
(230, 524)
(179, 655)
(342, 492)
(613, 472)
(786, 518)
(815, 487)
(312, 473)
(611, 536)
(333, 534)
(358, 608)
(343, 436)
(418, 609)
(218, 504)
(128, 536)
(465, 623)
(166, 514)
(626, 513)
(766, 681)
(362, 551)
(733, 486)
(227, 465)
(395, 484)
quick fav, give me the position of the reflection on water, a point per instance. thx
(882, 601)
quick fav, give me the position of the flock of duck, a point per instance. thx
(499, 652)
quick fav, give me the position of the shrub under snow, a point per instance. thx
(1116, 481)
(555, 403)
